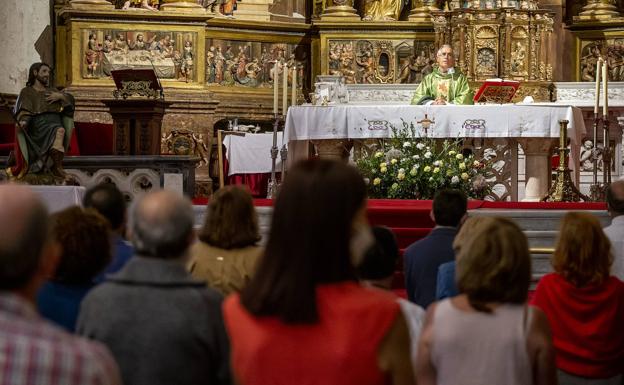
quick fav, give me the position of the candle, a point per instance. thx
(285, 89)
(275, 87)
(605, 82)
(294, 86)
(597, 86)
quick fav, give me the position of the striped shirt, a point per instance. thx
(35, 352)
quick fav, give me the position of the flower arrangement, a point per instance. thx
(411, 167)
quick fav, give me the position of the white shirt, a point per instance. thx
(615, 233)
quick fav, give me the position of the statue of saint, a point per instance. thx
(444, 85)
(387, 10)
(45, 123)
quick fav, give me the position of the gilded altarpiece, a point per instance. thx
(376, 57)
(506, 42)
(594, 44)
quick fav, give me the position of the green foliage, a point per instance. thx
(411, 167)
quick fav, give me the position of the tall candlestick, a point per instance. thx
(293, 100)
(285, 90)
(275, 86)
(598, 69)
(605, 82)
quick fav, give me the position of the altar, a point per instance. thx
(535, 127)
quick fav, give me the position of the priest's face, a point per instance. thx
(445, 59)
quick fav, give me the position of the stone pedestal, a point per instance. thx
(256, 10)
(181, 6)
(339, 10)
(537, 153)
(91, 4)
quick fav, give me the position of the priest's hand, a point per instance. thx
(439, 101)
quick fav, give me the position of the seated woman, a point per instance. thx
(227, 252)
(487, 334)
(584, 304)
(84, 236)
(303, 318)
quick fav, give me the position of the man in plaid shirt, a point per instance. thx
(33, 351)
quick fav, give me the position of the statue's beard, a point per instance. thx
(43, 80)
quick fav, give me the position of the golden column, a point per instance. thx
(339, 10)
(181, 6)
(91, 4)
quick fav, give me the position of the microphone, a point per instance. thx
(451, 71)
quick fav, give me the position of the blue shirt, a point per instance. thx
(446, 286)
(123, 252)
(60, 303)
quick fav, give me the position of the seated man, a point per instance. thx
(444, 85)
(45, 123)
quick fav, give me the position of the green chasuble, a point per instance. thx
(453, 88)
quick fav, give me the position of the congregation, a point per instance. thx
(104, 294)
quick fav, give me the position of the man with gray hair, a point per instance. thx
(162, 326)
(615, 232)
(445, 85)
(33, 350)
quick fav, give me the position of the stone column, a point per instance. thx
(91, 4)
(339, 10)
(537, 153)
(336, 149)
(181, 6)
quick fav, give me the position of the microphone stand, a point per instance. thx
(273, 185)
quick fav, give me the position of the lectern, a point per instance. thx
(137, 111)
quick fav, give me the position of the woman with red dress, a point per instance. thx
(303, 318)
(584, 305)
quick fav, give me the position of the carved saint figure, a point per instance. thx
(45, 124)
(387, 10)
(92, 55)
(120, 43)
(138, 44)
(518, 56)
(186, 66)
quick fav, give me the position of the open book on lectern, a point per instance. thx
(496, 91)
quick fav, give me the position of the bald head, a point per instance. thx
(161, 224)
(23, 234)
(615, 198)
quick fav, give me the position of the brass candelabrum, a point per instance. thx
(562, 188)
(274, 185)
(598, 190)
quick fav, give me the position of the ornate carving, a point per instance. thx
(170, 54)
(371, 61)
(185, 142)
(612, 49)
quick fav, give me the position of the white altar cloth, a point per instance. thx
(449, 121)
(251, 154)
(57, 198)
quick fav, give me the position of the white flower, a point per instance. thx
(462, 166)
(431, 179)
(383, 165)
(401, 176)
(379, 154)
(420, 146)
(413, 171)
(436, 163)
(427, 169)
(436, 170)
(452, 152)
(428, 154)
(476, 163)
(401, 171)
(407, 144)
(383, 170)
(459, 156)
(455, 179)
(394, 161)
(394, 186)
(376, 181)
(416, 157)
(464, 176)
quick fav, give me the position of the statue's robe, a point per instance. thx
(453, 88)
(42, 120)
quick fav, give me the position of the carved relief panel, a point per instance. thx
(172, 54)
(590, 49)
(373, 61)
(235, 63)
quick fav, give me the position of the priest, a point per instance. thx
(444, 85)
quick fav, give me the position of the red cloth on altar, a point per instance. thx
(587, 325)
(340, 349)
